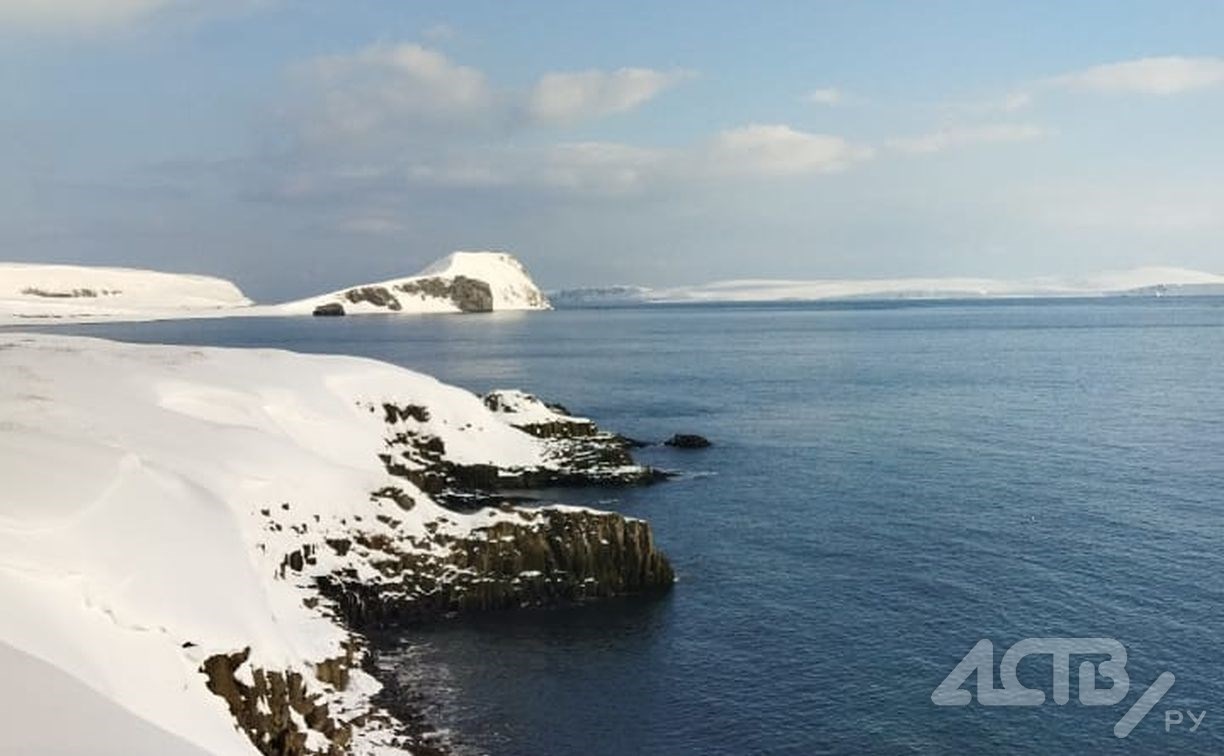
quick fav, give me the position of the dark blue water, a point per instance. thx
(888, 486)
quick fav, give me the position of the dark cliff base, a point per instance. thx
(523, 557)
(551, 558)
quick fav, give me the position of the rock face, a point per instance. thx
(272, 708)
(329, 310)
(523, 556)
(466, 294)
(687, 441)
(544, 557)
(580, 454)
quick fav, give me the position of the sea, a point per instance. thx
(889, 485)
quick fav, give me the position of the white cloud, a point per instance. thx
(824, 96)
(597, 168)
(1160, 76)
(567, 97)
(388, 88)
(778, 150)
(1150, 76)
(582, 167)
(385, 94)
(390, 118)
(603, 166)
(956, 136)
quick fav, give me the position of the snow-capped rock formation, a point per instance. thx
(459, 282)
(190, 539)
(31, 292)
(1139, 281)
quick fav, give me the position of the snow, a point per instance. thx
(509, 281)
(150, 496)
(29, 291)
(509, 284)
(1138, 280)
(67, 293)
(521, 408)
(83, 721)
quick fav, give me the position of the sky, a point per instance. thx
(297, 146)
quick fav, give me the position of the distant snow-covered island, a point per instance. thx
(33, 292)
(462, 282)
(195, 541)
(459, 282)
(1150, 281)
(475, 282)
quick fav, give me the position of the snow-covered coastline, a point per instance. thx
(184, 532)
(1150, 281)
(459, 282)
(473, 282)
(51, 293)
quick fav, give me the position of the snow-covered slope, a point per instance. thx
(31, 292)
(1153, 280)
(459, 282)
(151, 499)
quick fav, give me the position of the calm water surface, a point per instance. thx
(889, 485)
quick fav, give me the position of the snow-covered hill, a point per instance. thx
(31, 292)
(1139, 281)
(169, 515)
(459, 282)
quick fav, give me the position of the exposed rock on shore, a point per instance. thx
(542, 557)
(522, 556)
(318, 497)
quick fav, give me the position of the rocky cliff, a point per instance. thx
(198, 539)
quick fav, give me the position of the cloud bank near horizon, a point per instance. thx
(644, 153)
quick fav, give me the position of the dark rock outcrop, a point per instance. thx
(467, 294)
(542, 557)
(581, 455)
(69, 294)
(265, 709)
(378, 296)
(391, 576)
(522, 557)
(329, 310)
(687, 441)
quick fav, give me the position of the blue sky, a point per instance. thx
(295, 146)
